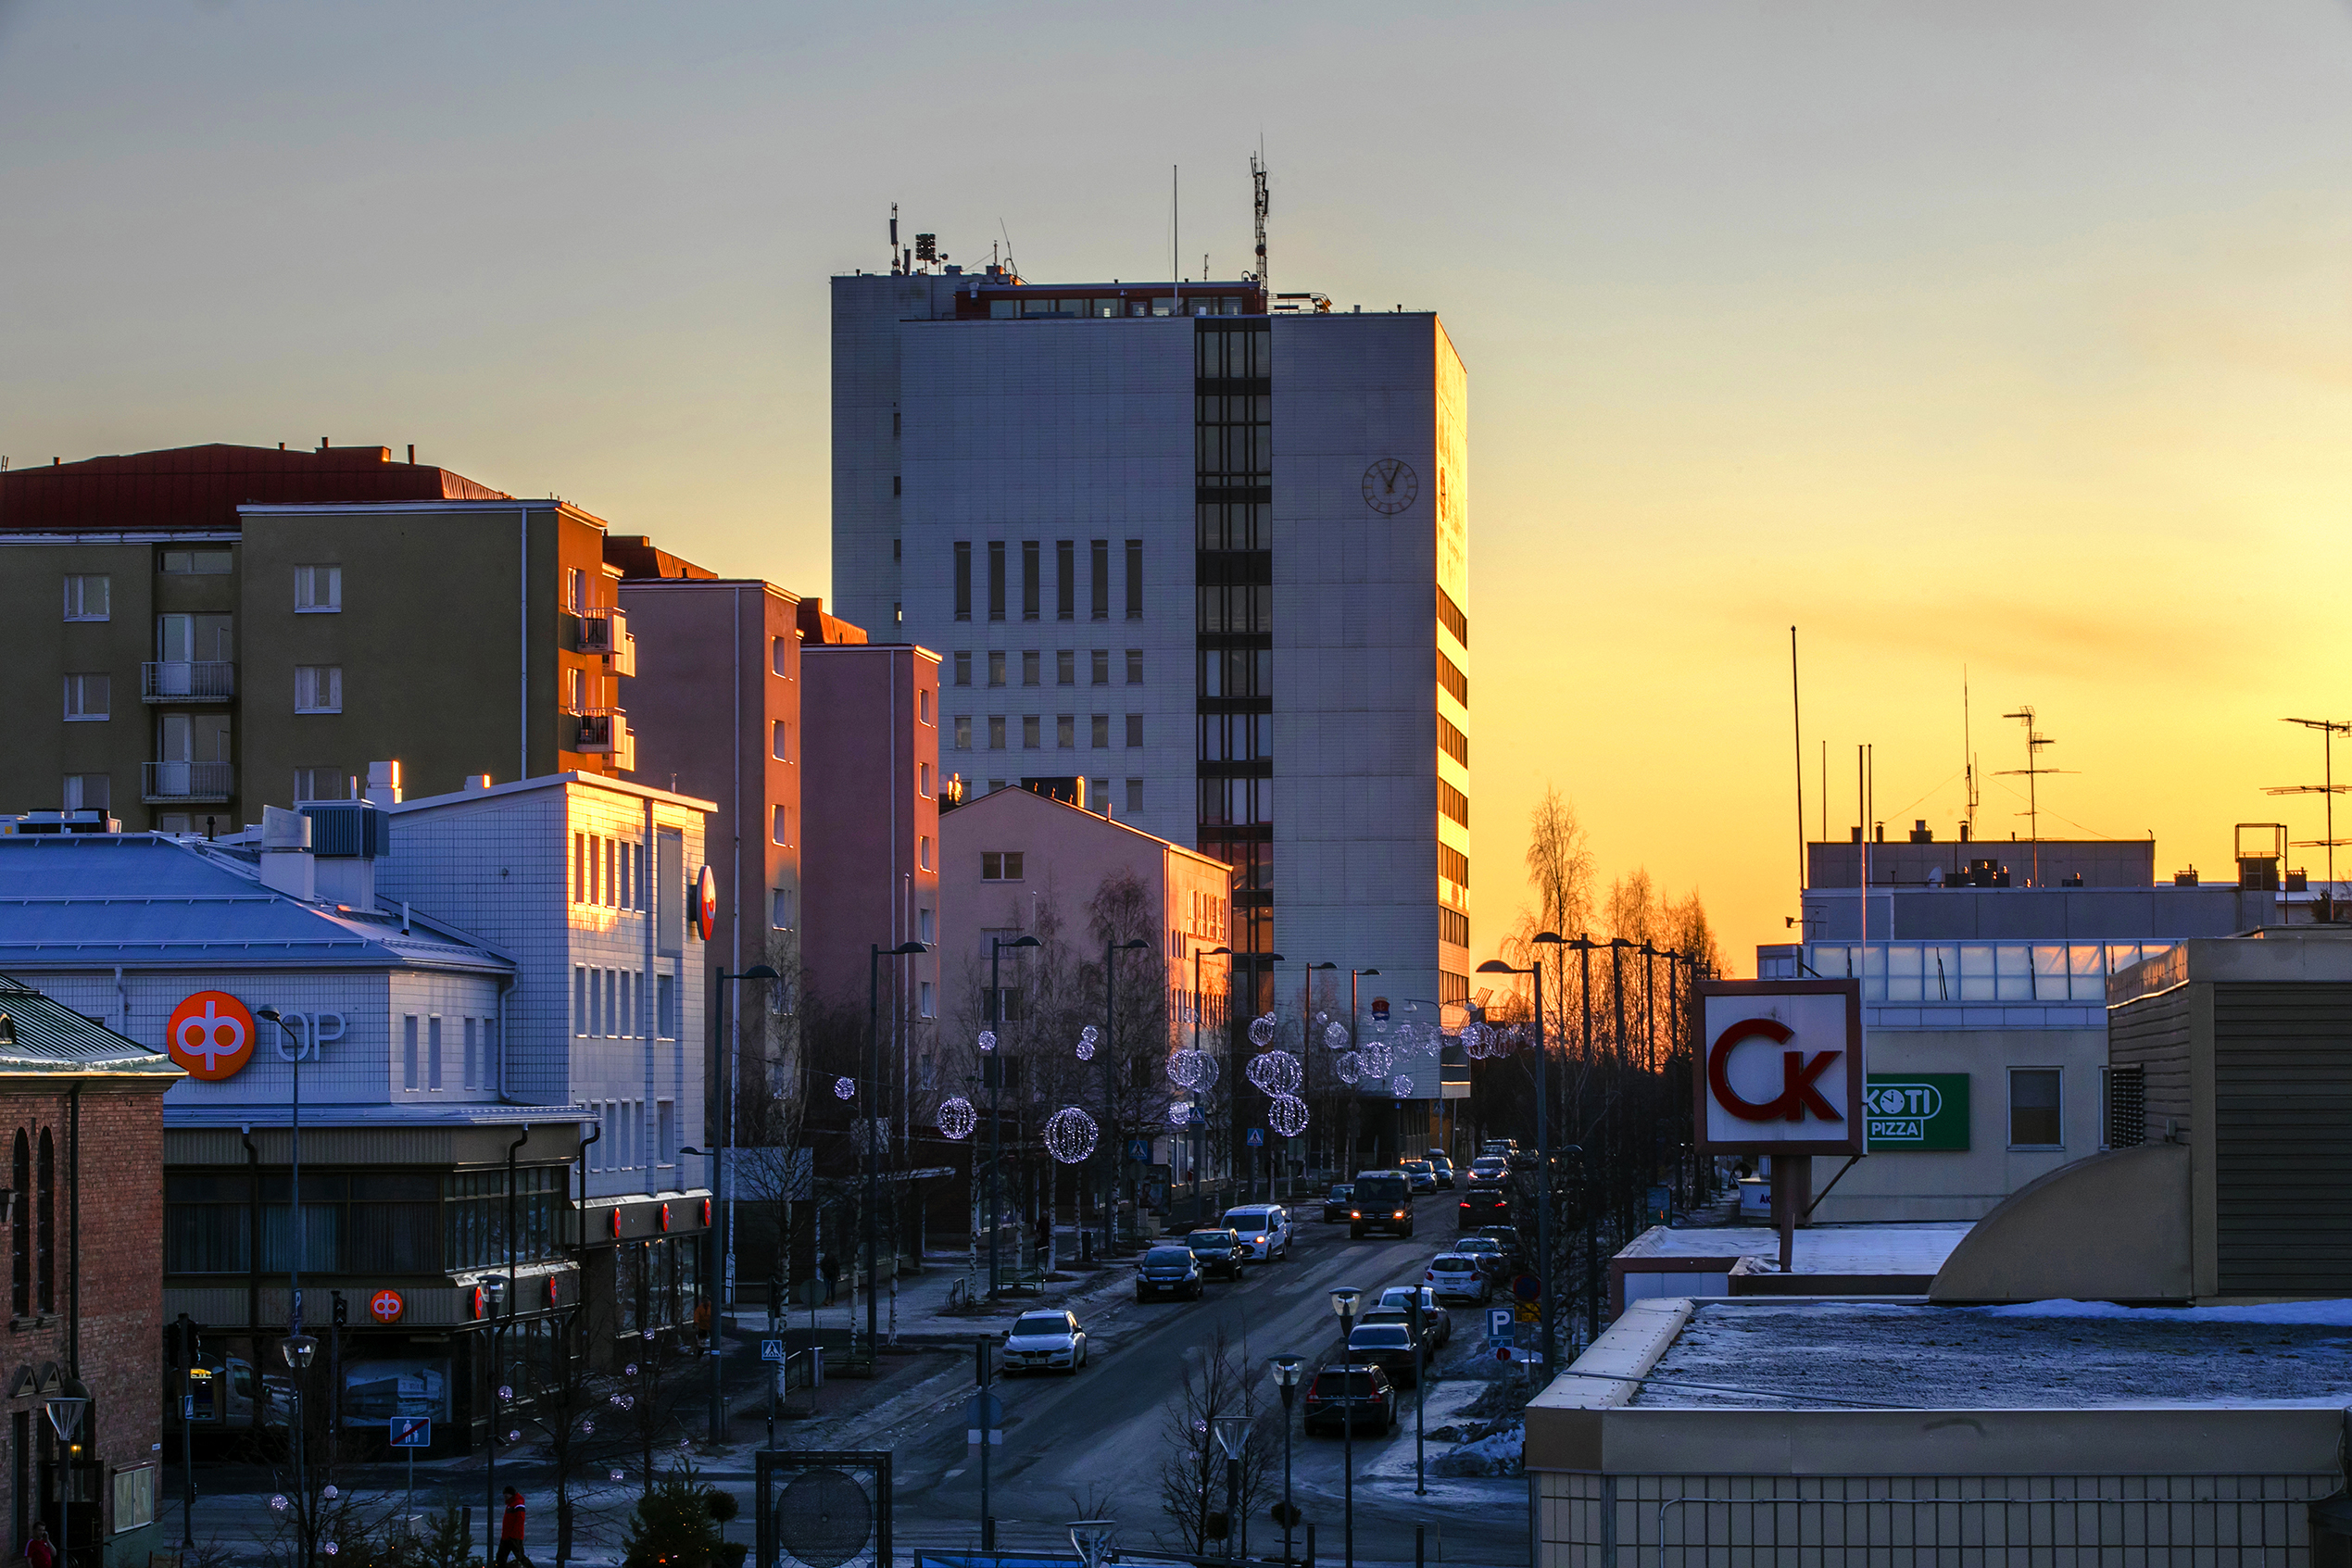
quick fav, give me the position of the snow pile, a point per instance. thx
(1500, 1454)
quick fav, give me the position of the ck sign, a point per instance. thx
(1779, 1066)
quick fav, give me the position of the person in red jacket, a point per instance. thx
(37, 1550)
(510, 1534)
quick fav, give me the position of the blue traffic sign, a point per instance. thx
(1257, 1138)
(1499, 1330)
(1138, 1149)
(411, 1432)
(772, 1349)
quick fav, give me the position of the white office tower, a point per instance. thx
(1212, 561)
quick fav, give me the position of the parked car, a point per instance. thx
(1507, 1238)
(1168, 1271)
(1360, 1397)
(1336, 1201)
(1487, 1253)
(1500, 1147)
(1397, 1316)
(1490, 1170)
(1460, 1275)
(1218, 1252)
(1444, 1168)
(1432, 1309)
(1039, 1341)
(1421, 1174)
(1388, 1345)
(1382, 1201)
(1265, 1230)
(1482, 1205)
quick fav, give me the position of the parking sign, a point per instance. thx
(1499, 1331)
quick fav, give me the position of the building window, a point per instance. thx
(89, 698)
(996, 669)
(433, 1053)
(1099, 790)
(1452, 742)
(666, 1117)
(1030, 579)
(575, 590)
(780, 740)
(963, 580)
(1451, 678)
(922, 928)
(579, 999)
(922, 999)
(1029, 731)
(923, 779)
(1065, 579)
(1134, 728)
(1449, 616)
(962, 732)
(87, 596)
(318, 590)
(1453, 803)
(1065, 668)
(318, 783)
(472, 1045)
(1099, 666)
(1001, 865)
(963, 667)
(87, 792)
(1453, 865)
(1134, 797)
(1101, 737)
(780, 657)
(1032, 665)
(409, 1051)
(665, 1007)
(1453, 926)
(1101, 554)
(1065, 731)
(780, 826)
(2033, 1108)
(1135, 579)
(996, 732)
(922, 853)
(1135, 667)
(45, 1256)
(996, 580)
(200, 563)
(922, 706)
(20, 1232)
(317, 688)
(780, 908)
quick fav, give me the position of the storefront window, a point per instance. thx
(477, 1215)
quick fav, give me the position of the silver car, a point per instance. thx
(1265, 1230)
(1042, 1341)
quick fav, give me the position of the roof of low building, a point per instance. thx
(201, 487)
(1912, 1249)
(74, 901)
(38, 1036)
(1044, 806)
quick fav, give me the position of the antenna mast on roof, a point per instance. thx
(2033, 770)
(1257, 182)
(2329, 729)
(1968, 751)
(895, 267)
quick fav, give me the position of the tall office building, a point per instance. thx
(1209, 558)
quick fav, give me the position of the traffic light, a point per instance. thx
(341, 1311)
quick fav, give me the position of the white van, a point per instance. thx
(1265, 1230)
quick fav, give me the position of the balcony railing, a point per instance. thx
(596, 729)
(187, 679)
(196, 782)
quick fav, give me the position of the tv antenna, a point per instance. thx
(1968, 752)
(2032, 772)
(1257, 182)
(2329, 729)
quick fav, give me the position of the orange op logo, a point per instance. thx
(385, 1306)
(211, 1036)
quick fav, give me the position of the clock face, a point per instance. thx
(1391, 486)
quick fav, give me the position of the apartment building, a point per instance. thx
(1204, 550)
(197, 633)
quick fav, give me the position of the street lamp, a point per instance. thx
(495, 1295)
(718, 1368)
(873, 1124)
(1198, 954)
(1344, 1302)
(1233, 1438)
(1111, 951)
(1542, 1148)
(63, 1410)
(293, 1282)
(1286, 1377)
(996, 944)
(729, 1114)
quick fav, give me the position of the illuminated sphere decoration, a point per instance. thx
(1070, 1134)
(1335, 1035)
(988, 1041)
(1262, 1031)
(1275, 1073)
(1401, 1086)
(845, 1088)
(1374, 1060)
(1190, 1069)
(1321, 1019)
(1286, 1115)
(1087, 1037)
(956, 1118)
(1180, 1114)
(1347, 1066)
(1086, 1045)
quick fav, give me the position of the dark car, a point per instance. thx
(1360, 1397)
(1382, 1201)
(1490, 1170)
(1336, 1201)
(1432, 1341)
(1219, 1252)
(1507, 1238)
(1388, 1345)
(1444, 1168)
(1482, 1206)
(1168, 1271)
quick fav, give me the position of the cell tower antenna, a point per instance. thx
(2032, 772)
(2328, 790)
(1257, 182)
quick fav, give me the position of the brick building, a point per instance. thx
(81, 1114)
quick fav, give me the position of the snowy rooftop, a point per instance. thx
(2042, 1355)
(1820, 1249)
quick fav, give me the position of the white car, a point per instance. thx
(1458, 1276)
(1042, 1341)
(1265, 1230)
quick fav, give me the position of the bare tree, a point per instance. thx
(1219, 1382)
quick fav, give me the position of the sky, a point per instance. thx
(1996, 342)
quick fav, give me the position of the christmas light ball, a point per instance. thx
(1262, 1031)
(987, 1040)
(1087, 1034)
(1401, 1086)
(1335, 1036)
(1348, 1066)
(957, 1118)
(1086, 1047)
(1286, 1115)
(1275, 1073)
(1070, 1134)
(844, 1088)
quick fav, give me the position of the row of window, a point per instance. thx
(624, 1123)
(999, 668)
(381, 1222)
(1111, 307)
(1450, 676)
(421, 1052)
(33, 1230)
(1453, 926)
(1452, 742)
(610, 872)
(1453, 803)
(1454, 865)
(89, 698)
(605, 1002)
(89, 596)
(1065, 553)
(1065, 730)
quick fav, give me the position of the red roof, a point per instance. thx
(201, 487)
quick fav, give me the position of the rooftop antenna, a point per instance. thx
(1176, 268)
(1968, 752)
(894, 264)
(1009, 266)
(1257, 182)
(2329, 729)
(2033, 770)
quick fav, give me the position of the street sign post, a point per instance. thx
(1138, 1149)
(979, 1417)
(1499, 1326)
(772, 1350)
(411, 1432)
(1257, 1138)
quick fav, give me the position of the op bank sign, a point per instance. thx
(1781, 1068)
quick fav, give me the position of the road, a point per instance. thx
(1091, 1445)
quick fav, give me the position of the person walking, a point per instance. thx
(510, 1534)
(831, 1270)
(37, 1549)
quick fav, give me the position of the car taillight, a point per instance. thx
(1465, 1203)
(1355, 1213)
(1398, 1215)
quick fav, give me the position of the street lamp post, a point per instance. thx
(996, 944)
(1344, 1302)
(63, 1410)
(1286, 1377)
(1543, 1148)
(730, 1115)
(718, 1387)
(1198, 954)
(873, 1108)
(494, 1287)
(1111, 948)
(294, 1336)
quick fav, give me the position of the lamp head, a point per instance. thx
(1345, 1299)
(269, 1014)
(1550, 940)
(1496, 966)
(908, 949)
(1367, 973)
(1287, 1369)
(1322, 966)
(1215, 951)
(1135, 946)
(1022, 941)
(298, 1350)
(758, 972)
(64, 1409)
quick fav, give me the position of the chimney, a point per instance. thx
(477, 783)
(1920, 834)
(286, 863)
(347, 836)
(384, 782)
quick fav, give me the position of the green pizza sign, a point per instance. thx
(1915, 1112)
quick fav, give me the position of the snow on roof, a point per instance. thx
(2068, 1355)
(1820, 1249)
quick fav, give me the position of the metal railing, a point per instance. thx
(164, 783)
(187, 679)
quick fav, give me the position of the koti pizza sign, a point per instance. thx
(1780, 1067)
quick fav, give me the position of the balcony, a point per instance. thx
(604, 732)
(196, 783)
(187, 679)
(608, 634)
